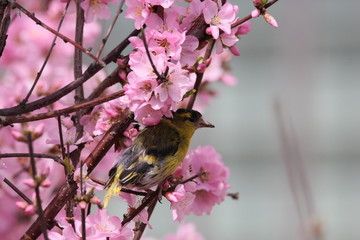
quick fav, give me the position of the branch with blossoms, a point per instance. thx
(61, 123)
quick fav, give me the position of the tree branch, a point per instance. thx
(90, 71)
(29, 118)
(200, 75)
(68, 189)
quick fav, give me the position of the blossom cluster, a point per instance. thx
(159, 75)
(167, 50)
(209, 188)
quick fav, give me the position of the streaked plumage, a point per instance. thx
(155, 153)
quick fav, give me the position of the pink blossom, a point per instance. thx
(88, 183)
(68, 133)
(244, 28)
(185, 231)
(55, 236)
(29, 209)
(134, 202)
(99, 226)
(138, 10)
(189, 55)
(270, 20)
(182, 203)
(96, 9)
(30, 182)
(194, 10)
(219, 19)
(255, 13)
(152, 96)
(147, 116)
(211, 187)
(163, 3)
(103, 116)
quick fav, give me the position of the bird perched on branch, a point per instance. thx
(155, 153)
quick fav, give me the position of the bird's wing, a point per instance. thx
(151, 147)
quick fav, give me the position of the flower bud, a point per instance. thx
(270, 20)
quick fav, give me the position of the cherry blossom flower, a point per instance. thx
(96, 9)
(210, 188)
(99, 226)
(219, 19)
(138, 10)
(133, 203)
(181, 202)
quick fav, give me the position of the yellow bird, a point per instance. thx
(155, 153)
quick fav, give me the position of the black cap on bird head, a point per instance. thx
(193, 116)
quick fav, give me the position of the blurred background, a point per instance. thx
(289, 130)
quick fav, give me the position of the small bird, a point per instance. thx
(155, 153)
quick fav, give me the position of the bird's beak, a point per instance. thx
(201, 123)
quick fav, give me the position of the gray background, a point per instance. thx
(310, 64)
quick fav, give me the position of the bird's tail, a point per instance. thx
(113, 186)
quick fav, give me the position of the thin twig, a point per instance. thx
(104, 40)
(38, 75)
(29, 118)
(36, 155)
(65, 193)
(62, 146)
(248, 17)
(110, 80)
(83, 224)
(90, 71)
(287, 152)
(79, 91)
(172, 188)
(200, 75)
(146, 201)
(150, 210)
(18, 191)
(146, 46)
(63, 37)
(68, 190)
(37, 188)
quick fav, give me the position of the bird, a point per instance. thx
(156, 152)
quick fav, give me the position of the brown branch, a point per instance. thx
(38, 75)
(146, 201)
(4, 23)
(107, 141)
(68, 190)
(18, 191)
(90, 71)
(63, 37)
(65, 193)
(200, 75)
(37, 188)
(29, 118)
(110, 80)
(150, 210)
(78, 60)
(62, 147)
(248, 17)
(37, 155)
(146, 46)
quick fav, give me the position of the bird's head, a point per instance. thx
(190, 118)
